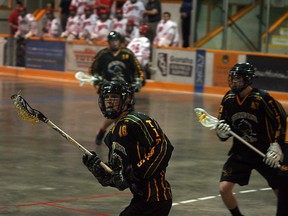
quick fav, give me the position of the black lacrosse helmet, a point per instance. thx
(114, 35)
(121, 88)
(244, 70)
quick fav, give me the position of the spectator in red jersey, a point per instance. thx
(13, 19)
(80, 5)
(103, 4)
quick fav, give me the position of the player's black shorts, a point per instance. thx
(139, 207)
(238, 171)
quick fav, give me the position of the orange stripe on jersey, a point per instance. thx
(239, 101)
(271, 139)
(286, 136)
(163, 185)
(138, 152)
(149, 191)
(158, 159)
(157, 190)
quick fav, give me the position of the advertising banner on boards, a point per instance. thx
(47, 55)
(174, 66)
(223, 62)
(200, 70)
(271, 72)
(79, 57)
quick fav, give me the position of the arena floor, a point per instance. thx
(42, 173)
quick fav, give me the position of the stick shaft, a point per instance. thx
(247, 144)
(74, 142)
(212, 122)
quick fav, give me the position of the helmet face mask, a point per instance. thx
(112, 103)
(115, 98)
(240, 77)
(236, 83)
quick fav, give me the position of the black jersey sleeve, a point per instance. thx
(223, 113)
(96, 68)
(152, 149)
(277, 116)
(135, 65)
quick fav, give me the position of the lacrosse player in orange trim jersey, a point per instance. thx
(139, 152)
(255, 116)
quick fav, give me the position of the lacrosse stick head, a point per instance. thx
(25, 111)
(84, 78)
(205, 119)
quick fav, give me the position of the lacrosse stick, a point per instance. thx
(84, 78)
(27, 113)
(211, 122)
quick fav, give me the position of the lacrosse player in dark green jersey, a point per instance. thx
(259, 119)
(139, 152)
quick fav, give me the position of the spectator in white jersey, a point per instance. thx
(167, 32)
(131, 32)
(134, 10)
(119, 22)
(103, 26)
(27, 25)
(73, 25)
(88, 24)
(141, 48)
(52, 27)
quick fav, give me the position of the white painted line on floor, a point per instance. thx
(189, 201)
(247, 191)
(213, 197)
(206, 198)
(265, 189)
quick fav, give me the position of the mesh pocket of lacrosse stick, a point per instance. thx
(24, 110)
(205, 119)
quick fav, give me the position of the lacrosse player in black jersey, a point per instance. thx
(255, 116)
(112, 63)
(139, 152)
(282, 205)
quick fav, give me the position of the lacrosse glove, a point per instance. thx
(117, 175)
(97, 80)
(223, 129)
(93, 164)
(137, 84)
(273, 156)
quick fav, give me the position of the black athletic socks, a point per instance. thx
(235, 212)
